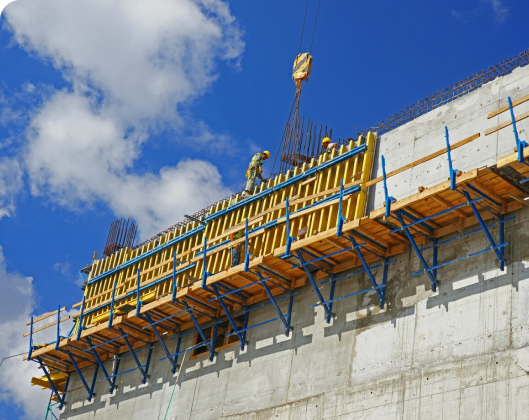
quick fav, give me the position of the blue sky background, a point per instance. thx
(371, 59)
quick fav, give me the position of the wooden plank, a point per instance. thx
(520, 200)
(40, 318)
(510, 159)
(506, 123)
(464, 177)
(446, 204)
(424, 159)
(51, 324)
(506, 107)
(308, 181)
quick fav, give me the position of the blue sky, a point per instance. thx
(153, 109)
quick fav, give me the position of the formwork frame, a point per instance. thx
(352, 245)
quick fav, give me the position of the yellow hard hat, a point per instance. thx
(267, 154)
(325, 141)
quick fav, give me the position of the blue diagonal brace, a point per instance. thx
(211, 348)
(387, 198)
(228, 314)
(99, 362)
(497, 251)
(433, 278)
(134, 356)
(160, 340)
(90, 390)
(314, 285)
(52, 385)
(285, 322)
(358, 248)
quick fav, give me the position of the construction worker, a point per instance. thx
(255, 170)
(328, 145)
(236, 250)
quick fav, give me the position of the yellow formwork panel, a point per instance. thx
(156, 268)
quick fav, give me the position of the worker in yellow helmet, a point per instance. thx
(255, 170)
(328, 145)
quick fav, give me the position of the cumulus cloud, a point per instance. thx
(16, 305)
(498, 8)
(132, 66)
(10, 185)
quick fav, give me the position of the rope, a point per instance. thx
(314, 30)
(176, 382)
(14, 355)
(303, 27)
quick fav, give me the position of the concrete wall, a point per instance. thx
(459, 353)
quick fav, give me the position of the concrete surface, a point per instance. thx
(459, 353)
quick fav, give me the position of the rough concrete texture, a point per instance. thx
(459, 353)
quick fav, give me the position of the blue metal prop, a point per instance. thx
(228, 314)
(210, 347)
(174, 277)
(80, 320)
(144, 369)
(138, 297)
(388, 198)
(453, 172)
(152, 324)
(287, 223)
(520, 144)
(100, 363)
(57, 342)
(286, 322)
(411, 239)
(59, 396)
(204, 264)
(357, 247)
(341, 219)
(496, 249)
(246, 247)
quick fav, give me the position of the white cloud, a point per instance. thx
(500, 10)
(16, 305)
(10, 185)
(133, 65)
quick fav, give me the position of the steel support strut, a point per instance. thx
(54, 389)
(142, 368)
(411, 239)
(286, 322)
(100, 363)
(228, 314)
(379, 291)
(321, 299)
(160, 340)
(495, 248)
(387, 197)
(210, 347)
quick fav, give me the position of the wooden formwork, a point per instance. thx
(444, 211)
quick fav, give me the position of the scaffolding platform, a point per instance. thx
(308, 226)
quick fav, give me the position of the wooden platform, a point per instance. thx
(315, 229)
